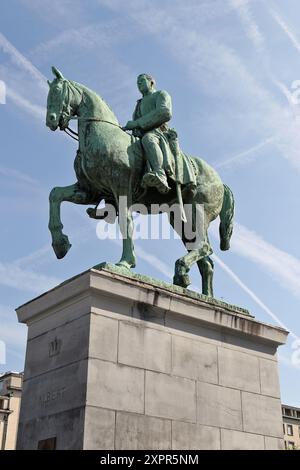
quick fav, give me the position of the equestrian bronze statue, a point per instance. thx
(147, 168)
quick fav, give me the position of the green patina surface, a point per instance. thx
(147, 168)
(173, 289)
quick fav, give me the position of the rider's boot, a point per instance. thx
(156, 179)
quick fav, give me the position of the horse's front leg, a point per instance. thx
(72, 193)
(128, 259)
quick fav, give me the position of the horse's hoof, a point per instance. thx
(125, 264)
(61, 247)
(91, 212)
(182, 280)
(208, 293)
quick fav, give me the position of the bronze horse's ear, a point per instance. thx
(49, 83)
(57, 73)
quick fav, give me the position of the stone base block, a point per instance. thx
(120, 361)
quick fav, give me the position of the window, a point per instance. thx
(291, 445)
(283, 429)
(288, 412)
(289, 430)
(299, 430)
(3, 404)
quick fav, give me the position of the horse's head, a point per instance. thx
(62, 101)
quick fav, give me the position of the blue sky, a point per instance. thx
(229, 67)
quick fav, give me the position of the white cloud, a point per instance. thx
(287, 30)
(206, 59)
(25, 280)
(253, 32)
(155, 262)
(214, 66)
(21, 76)
(22, 62)
(60, 13)
(117, 84)
(92, 36)
(12, 335)
(11, 332)
(244, 156)
(35, 258)
(282, 359)
(251, 294)
(282, 266)
(34, 110)
(18, 175)
(282, 120)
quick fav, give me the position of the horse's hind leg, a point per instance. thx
(128, 259)
(72, 193)
(184, 264)
(206, 268)
(196, 254)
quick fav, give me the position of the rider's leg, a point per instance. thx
(150, 143)
(156, 178)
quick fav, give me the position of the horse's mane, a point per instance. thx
(82, 88)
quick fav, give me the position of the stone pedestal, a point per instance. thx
(116, 361)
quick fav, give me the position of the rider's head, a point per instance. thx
(145, 83)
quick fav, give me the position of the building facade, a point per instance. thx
(10, 401)
(291, 426)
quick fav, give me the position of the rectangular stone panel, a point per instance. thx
(58, 347)
(261, 414)
(236, 440)
(63, 314)
(110, 306)
(191, 436)
(103, 341)
(249, 345)
(269, 378)
(115, 386)
(99, 429)
(274, 443)
(170, 397)
(238, 370)
(219, 406)
(149, 313)
(194, 359)
(140, 432)
(147, 348)
(56, 391)
(191, 328)
(65, 427)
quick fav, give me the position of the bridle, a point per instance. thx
(66, 113)
(88, 120)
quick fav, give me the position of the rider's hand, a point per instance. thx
(130, 126)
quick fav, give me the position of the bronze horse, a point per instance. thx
(110, 164)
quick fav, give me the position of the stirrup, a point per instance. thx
(154, 180)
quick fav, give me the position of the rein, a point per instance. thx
(72, 132)
(89, 119)
(66, 109)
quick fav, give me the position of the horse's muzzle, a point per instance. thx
(51, 122)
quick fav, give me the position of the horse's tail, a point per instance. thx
(226, 216)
